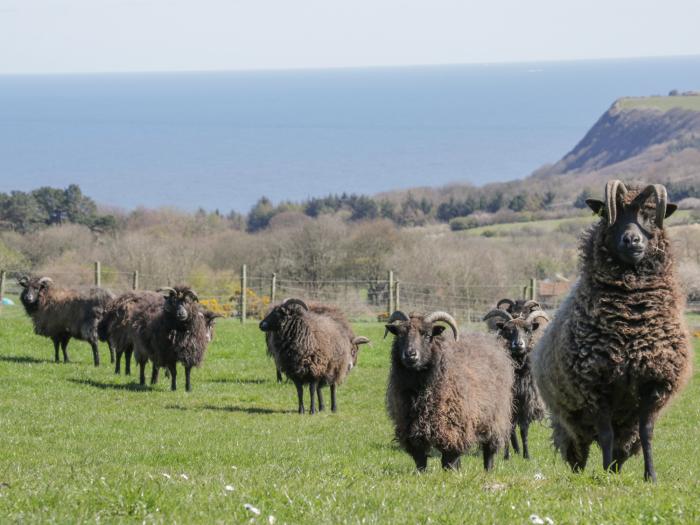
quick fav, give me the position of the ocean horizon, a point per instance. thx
(221, 140)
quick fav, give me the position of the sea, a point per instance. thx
(222, 140)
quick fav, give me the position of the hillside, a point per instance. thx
(631, 127)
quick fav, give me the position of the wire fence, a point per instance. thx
(369, 299)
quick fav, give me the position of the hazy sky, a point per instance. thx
(154, 35)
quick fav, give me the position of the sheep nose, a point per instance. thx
(630, 239)
(263, 325)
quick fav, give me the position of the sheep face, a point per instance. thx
(633, 220)
(517, 336)
(33, 289)
(413, 342)
(279, 314)
(179, 303)
(209, 319)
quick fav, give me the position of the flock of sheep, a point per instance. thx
(602, 369)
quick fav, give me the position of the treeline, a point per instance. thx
(26, 212)
(408, 210)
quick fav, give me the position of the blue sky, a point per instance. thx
(53, 36)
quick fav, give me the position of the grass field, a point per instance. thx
(80, 444)
(661, 103)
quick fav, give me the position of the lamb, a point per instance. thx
(117, 324)
(618, 350)
(447, 394)
(322, 309)
(311, 346)
(519, 335)
(62, 314)
(176, 330)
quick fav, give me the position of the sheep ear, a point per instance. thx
(670, 208)
(596, 205)
(438, 329)
(23, 282)
(394, 329)
(499, 324)
(535, 325)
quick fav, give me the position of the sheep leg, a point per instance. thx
(450, 460)
(173, 376)
(64, 348)
(606, 440)
(95, 353)
(127, 361)
(154, 375)
(111, 352)
(420, 457)
(489, 452)
(118, 364)
(188, 384)
(279, 375)
(514, 440)
(506, 454)
(56, 343)
(142, 373)
(334, 405)
(646, 433)
(524, 428)
(300, 395)
(319, 392)
(312, 391)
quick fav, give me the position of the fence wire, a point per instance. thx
(360, 299)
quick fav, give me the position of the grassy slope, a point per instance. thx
(661, 103)
(81, 445)
(551, 225)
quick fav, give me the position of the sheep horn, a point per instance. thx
(661, 197)
(612, 188)
(296, 301)
(398, 315)
(192, 294)
(23, 281)
(505, 301)
(531, 304)
(360, 340)
(171, 291)
(497, 312)
(535, 314)
(445, 318)
(46, 280)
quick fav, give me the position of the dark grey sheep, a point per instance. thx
(62, 314)
(177, 330)
(518, 335)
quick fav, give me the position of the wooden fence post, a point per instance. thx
(98, 274)
(273, 288)
(244, 287)
(135, 281)
(391, 304)
(533, 289)
(3, 277)
(397, 292)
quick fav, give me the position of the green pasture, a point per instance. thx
(661, 103)
(80, 444)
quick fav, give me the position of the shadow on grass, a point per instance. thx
(233, 408)
(253, 381)
(23, 359)
(135, 387)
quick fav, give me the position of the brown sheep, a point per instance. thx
(310, 348)
(445, 393)
(62, 314)
(618, 350)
